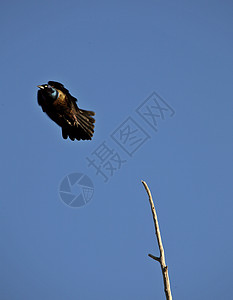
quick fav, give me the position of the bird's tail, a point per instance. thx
(86, 122)
(84, 128)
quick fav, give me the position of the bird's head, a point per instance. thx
(49, 91)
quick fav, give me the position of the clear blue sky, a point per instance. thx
(112, 55)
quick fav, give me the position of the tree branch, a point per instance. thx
(160, 259)
(154, 257)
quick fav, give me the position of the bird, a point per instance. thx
(56, 101)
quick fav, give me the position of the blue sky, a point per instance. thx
(112, 55)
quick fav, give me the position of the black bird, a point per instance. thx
(61, 107)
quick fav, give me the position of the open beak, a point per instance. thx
(40, 87)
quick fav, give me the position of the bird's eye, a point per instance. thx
(46, 86)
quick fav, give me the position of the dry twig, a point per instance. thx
(161, 258)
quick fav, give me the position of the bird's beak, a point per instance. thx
(40, 87)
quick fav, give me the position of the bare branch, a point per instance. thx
(154, 257)
(160, 259)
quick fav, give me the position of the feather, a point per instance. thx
(76, 123)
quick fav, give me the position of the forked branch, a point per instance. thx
(161, 258)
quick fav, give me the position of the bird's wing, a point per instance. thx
(67, 103)
(40, 100)
(76, 123)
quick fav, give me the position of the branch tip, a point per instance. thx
(154, 257)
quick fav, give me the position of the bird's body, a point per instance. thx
(61, 107)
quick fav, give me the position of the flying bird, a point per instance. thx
(61, 107)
